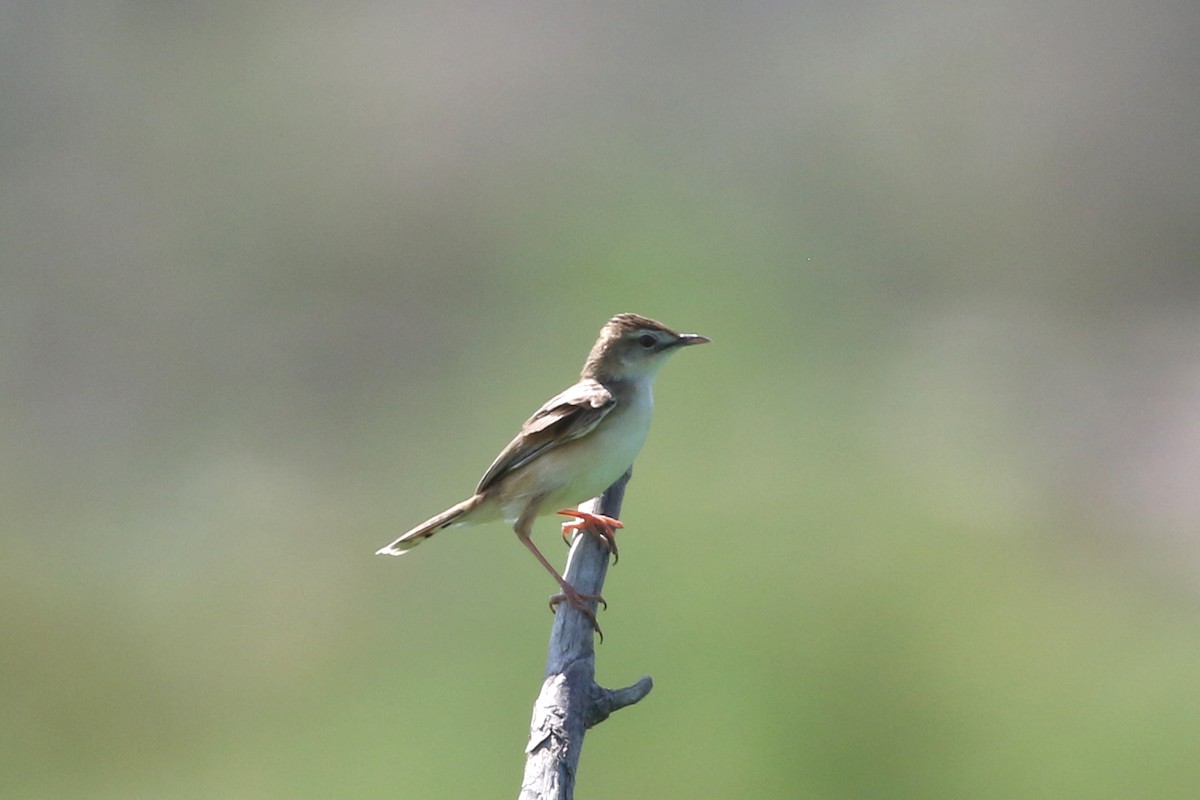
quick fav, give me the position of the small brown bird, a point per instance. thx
(573, 447)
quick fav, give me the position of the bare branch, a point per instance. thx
(571, 701)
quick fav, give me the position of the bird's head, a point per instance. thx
(632, 346)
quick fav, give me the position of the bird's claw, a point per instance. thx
(579, 601)
(602, 527)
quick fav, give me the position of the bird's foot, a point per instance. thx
(579, 601)
(602, 527)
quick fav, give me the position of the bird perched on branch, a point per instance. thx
(573, 448)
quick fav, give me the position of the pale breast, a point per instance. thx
(575, 471)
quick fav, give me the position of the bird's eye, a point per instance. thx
(647, 341)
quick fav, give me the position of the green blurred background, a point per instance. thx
(279, 280)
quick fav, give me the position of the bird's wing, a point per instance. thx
(567, 416)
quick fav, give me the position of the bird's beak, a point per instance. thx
(686, 339)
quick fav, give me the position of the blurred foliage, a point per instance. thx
(278, 281)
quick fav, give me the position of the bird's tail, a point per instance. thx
(429, 527)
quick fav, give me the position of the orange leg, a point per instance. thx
(602, 527)
(570, 594)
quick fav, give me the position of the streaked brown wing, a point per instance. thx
(566, 416)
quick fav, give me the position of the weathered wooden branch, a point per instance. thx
(571, 701)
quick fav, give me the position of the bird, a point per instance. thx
(572, 448)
